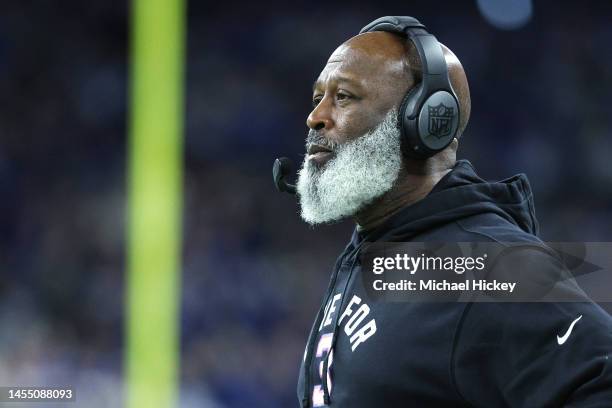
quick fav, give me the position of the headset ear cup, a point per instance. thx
(437, 122)
(408, 127)
(433, 126)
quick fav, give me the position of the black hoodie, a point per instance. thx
(418, 354)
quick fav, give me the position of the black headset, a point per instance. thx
(429, 113)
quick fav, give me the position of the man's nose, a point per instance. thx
(320, 117)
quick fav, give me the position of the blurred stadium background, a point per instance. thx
(253, 273)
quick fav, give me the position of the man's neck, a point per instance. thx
(409, 189)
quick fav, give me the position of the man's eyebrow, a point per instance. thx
(346, 79)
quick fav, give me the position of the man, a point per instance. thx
(363, 353)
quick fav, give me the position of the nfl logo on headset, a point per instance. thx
(440, 120)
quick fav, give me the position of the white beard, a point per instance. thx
(362, 170)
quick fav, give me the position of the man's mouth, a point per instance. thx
(319, 154)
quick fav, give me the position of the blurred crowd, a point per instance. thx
(253, 273)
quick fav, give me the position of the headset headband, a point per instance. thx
(435, 71)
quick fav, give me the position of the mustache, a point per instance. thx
(315, 137)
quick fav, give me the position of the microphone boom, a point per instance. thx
(282, 167)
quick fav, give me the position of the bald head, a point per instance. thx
(405, 71)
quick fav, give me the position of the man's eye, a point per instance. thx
(342, 96)
(316, 100)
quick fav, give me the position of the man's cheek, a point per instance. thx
(350, 133)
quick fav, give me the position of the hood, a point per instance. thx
(460, 193)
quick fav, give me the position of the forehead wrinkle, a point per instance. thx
(338, 78)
